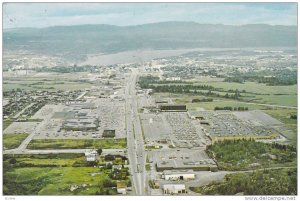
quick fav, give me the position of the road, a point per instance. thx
(19, 113)
(135, 142)
(58, 151)
(35, 130)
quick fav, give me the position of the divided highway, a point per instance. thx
(135, 142)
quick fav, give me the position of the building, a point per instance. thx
(121, 187)
(174, 189)
(172, 108)
(91, 155)
(178, 175)
(183, 164)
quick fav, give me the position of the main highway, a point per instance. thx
(135, 142)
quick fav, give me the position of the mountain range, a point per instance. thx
(81, 40)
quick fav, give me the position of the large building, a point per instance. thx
(172, 108)
(178, 175)
(179, 164)
(174, 189)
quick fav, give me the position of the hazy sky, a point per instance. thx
(52, 14)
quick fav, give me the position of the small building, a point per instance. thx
(116, 167)
(174, 189)
(178, 175)
(121, 187)
(91, 155)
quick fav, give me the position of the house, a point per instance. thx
(121, 187)
(116, 167)
(91, 155)
(174, 189)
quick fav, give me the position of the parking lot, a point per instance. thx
(100, 115)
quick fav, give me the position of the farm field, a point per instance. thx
(77, 144)
(255, 92)
(55, 174)
(44, 85)
(12, 141)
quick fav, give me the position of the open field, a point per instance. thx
(11, 141)
(55, 174)
(44, 85)
(6, 123)
(254, 92)
(77, 144)
(53, 181)
(289, 129)
(253, 87)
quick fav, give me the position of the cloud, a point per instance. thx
(123, 14)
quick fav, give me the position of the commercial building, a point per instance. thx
(179, 164)
(121, 187)
(174, 189)
(172, 108)
(178, 175)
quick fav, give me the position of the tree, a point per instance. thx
(12, 161)
(99, 151)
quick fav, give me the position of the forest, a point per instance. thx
(263, 182)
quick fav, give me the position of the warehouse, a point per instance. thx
(173, 108)
(174, 189)
(178, 175)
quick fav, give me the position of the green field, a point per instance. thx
(222, 103)
(44, 85)
(289, 129)
(253, 87)
(267, 182)
(54, 174)
(255, 93)
(77, 144)
(12, 141)
(52, 181)
(6, 123)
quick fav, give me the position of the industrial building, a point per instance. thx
(181, 164)
(172, 108)
(178, 175)
(174, 189)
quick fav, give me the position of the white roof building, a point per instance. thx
(91, 155)
(174, 188)
(178, 175)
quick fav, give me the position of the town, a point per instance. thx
(157, 127)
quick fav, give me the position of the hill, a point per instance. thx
(90, 39)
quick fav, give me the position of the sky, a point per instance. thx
(40, 15)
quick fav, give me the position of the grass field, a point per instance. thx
(283, 115)
(6, 123)
(77, 144)
(11, 141)
(277, 95)
(222, 103)
(57, 181)
(54, 174)
(253, 87)
(49, 85)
